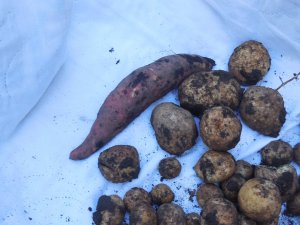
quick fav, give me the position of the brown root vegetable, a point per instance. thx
(262, 109)
(110, 211)
(134, 94)
(169, 167)
(215, 167)
(136, 196)
(219, 211)
(205, 90)
(175, 128)
(293, 205)
(170, 214)
(243, 220)
(206, 192)
(143, 214)
(220, 128)
(277, 153)
(119, 163)
(232, 186)
(259, 199)
(270, 222)
(162, 193)
(249, 62)
(192, 219)
(244, 168)
(297, 153)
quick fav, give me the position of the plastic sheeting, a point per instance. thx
(60, 59)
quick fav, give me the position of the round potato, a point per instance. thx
(244, 168)
(206, 192)
(220, 128)
(192, 219)
(174, 127)
(249, 62)
(136, 196)
(162, 193)
(205, 90)
(293, 205)
(119, 163)
(297, 153)
(259, 199)
(219, 211)
(262, 109)
(277, 153)
(143, 214)
(215, 167)
(170, 214)
(169, 167)
(231, 186)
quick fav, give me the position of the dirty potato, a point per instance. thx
(143, 214)
(232, 186)
(206, 192)
(169, 167)
(192, 219)
(170, 214)
(243, 220)
(244, 168)
(293, 205)
(135, 196)
(297, 153)
(174, 127)
(162, 193)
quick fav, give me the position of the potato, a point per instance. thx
(192, 219)
(271, 222)
(169, 167)
(162, 193)
(243, 220)
(119, 163)
(285, 177)
(259, 199)
(170, 214)
(143, 214)
(262, 109)
(244, 168)
(297, 153)
(135, 196)
(110, 211)
(249, 62)
(219, 211)
(232, 186)
(174, 127)
(293, 205)
(277, 153)
(215, 166)
(206, 192)
(220, 128)
(205, 90)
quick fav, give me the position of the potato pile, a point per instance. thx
(233, 192)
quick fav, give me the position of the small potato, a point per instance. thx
(110, 210)
(244, 168)
(262, 109)
(119, 163)
(215, 167)
(220, 128)
(249, 62)
(271, 222)
(192, 219)
(170, 214)
(243, 220)
(135, 196)
(169, 167)
(143, 214)
(162, 193)
(293, 205)
(297, 153)
(219, 211)
(205, 90)
(206, 192)
(277, 153)
(175, 128)
(259, 199)
(232, 186)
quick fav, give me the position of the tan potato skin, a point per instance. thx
(143, 214)
(136, 196)
(206, 192)
(134, 94)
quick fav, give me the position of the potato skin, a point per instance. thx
(207, 191)
(249, 62)
(277, 153)
(297, 153)
(260, 200)
(293, 205)
(205, 90)
(231, 186)
(169, 167)
(136, 196)
(170, 214)
(143, 214)
(119, 163)
(220, 128)
(162, 193)
(215, 167)
(243, 220)
(175, 128)
(192, 219)
(134, 94)
(262, 109)
(245, 169)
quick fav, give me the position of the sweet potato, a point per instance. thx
(134, 94)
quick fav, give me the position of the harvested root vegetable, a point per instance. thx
(206, 192)
(169, 167)
(192, 219)
(134, 94)
(293, 205)
(244, 168)
(143, 214)
(232, 186)
(136, 196)
(162, 193)
(170, 214)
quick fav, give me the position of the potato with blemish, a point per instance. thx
(232, 186)
(244, 168)
(206, 192)
(277, 153)
(220, 128)
(215, 167)
(174, 127)
(219, 211)
(262, 109)
(205, 90)
(259, 199)
(293, 205)
(192, 219)
(170, 214)
(243, 220)
(143, 214)
(169, 167)
(135, 196)
(110, 211)
(249, 62)
(162, 193)
(119, 163)
(297, 153)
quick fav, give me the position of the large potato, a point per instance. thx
(135, 196)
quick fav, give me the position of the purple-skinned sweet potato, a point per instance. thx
(135, 93)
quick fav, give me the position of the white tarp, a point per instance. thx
(56, 70)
